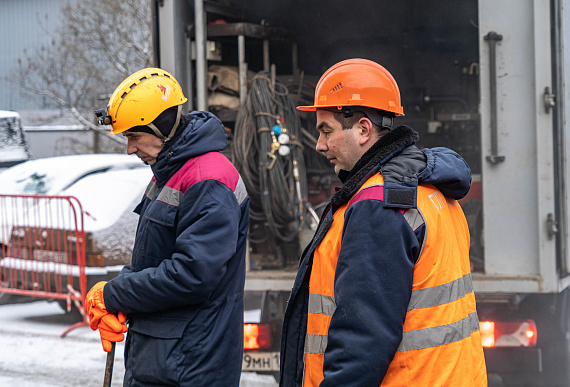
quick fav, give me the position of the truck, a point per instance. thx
(485, 78)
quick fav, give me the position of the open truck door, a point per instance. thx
(482, 77)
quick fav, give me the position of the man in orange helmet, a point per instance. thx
(183, 291)
(383, 295)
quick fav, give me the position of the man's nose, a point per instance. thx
(131, 148)
(321, 143)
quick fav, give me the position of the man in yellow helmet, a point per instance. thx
(182, 294)
(383, 295)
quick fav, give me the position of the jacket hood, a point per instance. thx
(404, 166)
(199, 133)
(448, 171)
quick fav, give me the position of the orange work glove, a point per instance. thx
(111, 327)
(109, 334)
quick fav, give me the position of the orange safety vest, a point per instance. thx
(441, 344)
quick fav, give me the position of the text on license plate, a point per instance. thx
(260, 361)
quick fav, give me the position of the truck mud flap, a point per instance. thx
(513, 360)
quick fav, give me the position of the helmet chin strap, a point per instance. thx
(384, 122)
(172, 131)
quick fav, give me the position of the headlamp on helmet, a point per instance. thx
(102, 117)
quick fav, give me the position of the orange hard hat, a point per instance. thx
(357, 82)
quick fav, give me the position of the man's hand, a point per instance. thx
(111, 327)
(112, 334)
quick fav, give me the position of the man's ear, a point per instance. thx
(366, 130)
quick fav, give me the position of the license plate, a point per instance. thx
(260, 361)
(50, 256)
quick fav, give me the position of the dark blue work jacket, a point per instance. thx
(183, 292)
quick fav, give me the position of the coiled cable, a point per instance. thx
(273, 180)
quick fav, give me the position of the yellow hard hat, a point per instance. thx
(140, 98)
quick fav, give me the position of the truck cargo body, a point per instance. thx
(485, 78)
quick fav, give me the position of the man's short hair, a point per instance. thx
(348, 121)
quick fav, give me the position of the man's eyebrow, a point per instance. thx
(322, 126)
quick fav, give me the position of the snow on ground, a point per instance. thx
(34, 355)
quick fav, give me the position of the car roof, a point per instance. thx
(8, 114)
(52, 175)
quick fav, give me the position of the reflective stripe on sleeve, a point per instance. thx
(442, 294)
(151, 189)
(173, 196)
(414, 218)
(441, 335)
(170, 196)
(240, 192)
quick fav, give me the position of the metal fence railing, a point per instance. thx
(42, 249)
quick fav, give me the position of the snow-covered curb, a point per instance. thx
(57, 268)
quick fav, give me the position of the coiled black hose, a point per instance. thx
(270, 178)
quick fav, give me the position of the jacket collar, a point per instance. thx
(198, 133)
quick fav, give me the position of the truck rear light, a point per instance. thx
(256, 336)
(487, 330)
(508, 334)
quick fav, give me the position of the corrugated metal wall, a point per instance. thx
(24, 25)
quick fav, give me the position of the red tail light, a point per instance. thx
(508, 334)
(487, 330)
(256, 336)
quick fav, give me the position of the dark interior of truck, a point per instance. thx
(431, 48)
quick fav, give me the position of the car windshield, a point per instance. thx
(33, 183)
(34, 179)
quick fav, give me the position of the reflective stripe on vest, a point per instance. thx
(422, 298)
(319, 304)
(441, 335)
(442, 294)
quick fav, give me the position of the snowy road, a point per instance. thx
(34, 355)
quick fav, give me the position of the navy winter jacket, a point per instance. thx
(183, 292)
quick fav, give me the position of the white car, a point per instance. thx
(107, 186)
